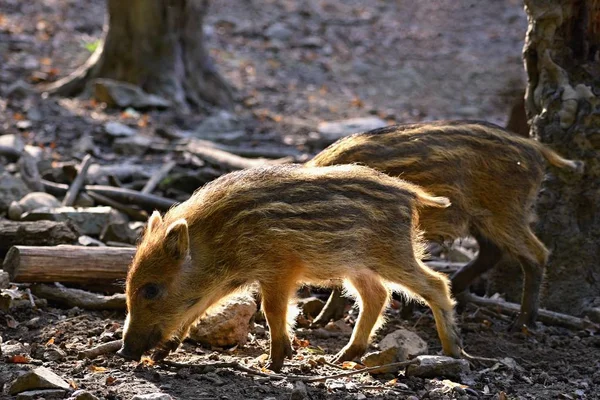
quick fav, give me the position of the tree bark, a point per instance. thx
(561, 59)
(158, 46)
(35, 233)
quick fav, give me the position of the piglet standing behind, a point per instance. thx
(280, 227)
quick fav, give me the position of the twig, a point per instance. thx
(482, 360)
(104, 348)
(291, 378)
(71, 195)
(545, 316)
(157, 177)
(30, 297)
(131, 212)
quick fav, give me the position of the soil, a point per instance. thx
(403, 61)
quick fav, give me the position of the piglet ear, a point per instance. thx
(154, 221)
(177, 240)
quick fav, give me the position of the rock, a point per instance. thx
(399, 345)
(84, 200)
(85, 240)
(23, 125)
(118, 232)
(11, 189)
(152, 396)
(220, 122)
(299, 392)
(89, 221)
(38, 378)
(4, 279)
(459, 254)
(42, 394)
(436, 366)
(226, 325)
(123, 95)
(84, 145)
(53, 353)
(30, 202)
(133, 145)
(593, 313)
(13, 348)
(34, 114)
(19, 89)
(82, 395)
(314, 42)
(12, 141)
(311, 306)
(117, 129)
(334, 130)
(279, 31)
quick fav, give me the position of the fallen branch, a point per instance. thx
(213, 155)
(104, 348)
(79, 298)
(545, 316)
(131, 212)
(157, 177)
(73, 191)
(73, 264)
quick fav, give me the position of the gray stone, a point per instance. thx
(399, 345)
(123, 95)
(299, 392)
(30, 202)
(84, 145)
(593, 313)
(47, 394)
(38, 378)
(133, 145)
(34, 114)
(117, 129)
(220, 122)
(279, 31)
(152, 396)
(82, 395)
(19, 89)
(311, 306)
(118, 232)
(12, 141)
(227, 324)
(89, 221)
(53, 353)
(11, 189)
(23, 125)
(12, 348)
(436, 366)
(4, 279)
(85, 240)
(334, 130)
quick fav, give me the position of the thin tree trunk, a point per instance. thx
(561, 59)
(159, 46)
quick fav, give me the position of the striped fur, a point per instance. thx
(283, 226)
(491, 176)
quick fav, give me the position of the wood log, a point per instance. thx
(73, 264)
(35, 233)
(546, 316)
(70, 298)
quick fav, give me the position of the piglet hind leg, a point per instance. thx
(373, 297)
(434, 288)
(275, 302)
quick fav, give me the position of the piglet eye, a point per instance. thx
(150, 291)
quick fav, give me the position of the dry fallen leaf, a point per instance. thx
(110, 380)
(95, 369)
(18, 359)
(11, 322)
(351, 365)
(73, 385)
(51, 341)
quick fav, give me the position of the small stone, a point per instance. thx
(34, 114)
(4, 279)
(220, 122)
(84, 145)
(23, 125)
(121, 94)
(12, 141)
(459, 254)
(334, 130)
(117, 129)
(42, 394)
(89, 221)
(11, 189)
(11, 349)
(299, 392)
(133, 145)
(592, 313)
(31, 201)
(19, 89)
(360, 396)
(436, 366)
(279, 31)
(311, 306)
(85, 240)
(39, 378)
(82, 395)
(227, 325)
(152, 396)
(54, 353)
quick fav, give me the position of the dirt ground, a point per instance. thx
(403, 61)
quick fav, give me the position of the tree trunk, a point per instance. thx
(561, 59)
(158, 46)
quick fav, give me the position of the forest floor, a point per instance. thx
(294, 64)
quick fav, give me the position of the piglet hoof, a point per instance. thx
(279, 352)
(348, 354)
(522, 323)
(164, 350)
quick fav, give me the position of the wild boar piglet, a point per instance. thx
(280, 227)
